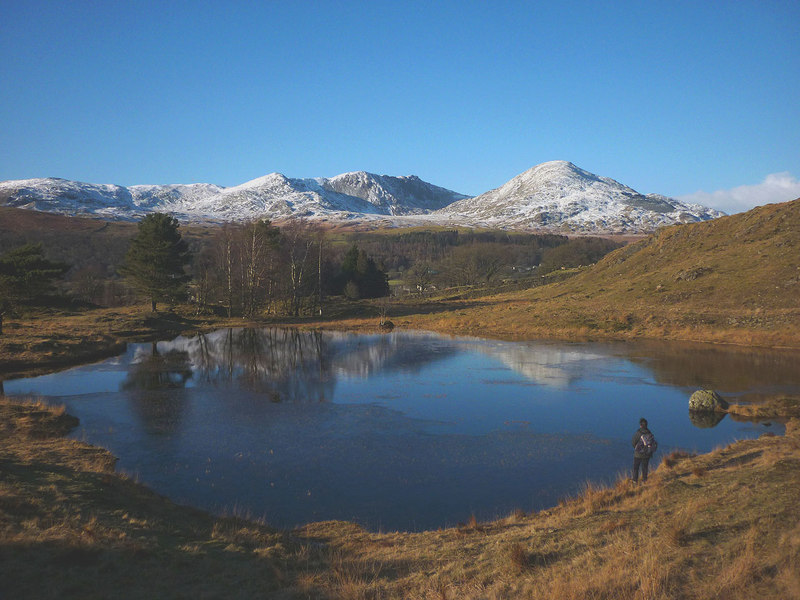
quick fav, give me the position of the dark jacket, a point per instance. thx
(636, 437)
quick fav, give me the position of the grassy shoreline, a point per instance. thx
(59, 339)
(720, 525)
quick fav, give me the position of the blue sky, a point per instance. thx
(698, 100)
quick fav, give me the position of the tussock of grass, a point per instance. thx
(785, 406)
(518, 558)
(674, 458)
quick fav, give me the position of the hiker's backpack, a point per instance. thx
(647, 444)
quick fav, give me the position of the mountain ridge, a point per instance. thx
(559, 191)
(555, 196)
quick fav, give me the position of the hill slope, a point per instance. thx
(735, 279)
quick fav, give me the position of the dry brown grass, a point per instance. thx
(678, 526)
(674, 458)
(784, 406)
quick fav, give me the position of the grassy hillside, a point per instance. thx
(734, 279)
(749, 261)
(717, 526)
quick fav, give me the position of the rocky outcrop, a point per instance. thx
(707, 401)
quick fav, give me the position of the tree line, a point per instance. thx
(249, 269)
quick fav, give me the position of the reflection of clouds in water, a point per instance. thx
(548, 365)
(361, 356)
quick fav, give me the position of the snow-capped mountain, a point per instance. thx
(274, 196)
(558, 195)
(555, 196)
(394, 195)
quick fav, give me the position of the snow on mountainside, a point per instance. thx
(555, 196)
(274, 196)
(558, 195)
(397, 195)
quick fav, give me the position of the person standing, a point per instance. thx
(644, 444)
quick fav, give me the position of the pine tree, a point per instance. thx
(367, 279)
(26, 275)
(155, 261)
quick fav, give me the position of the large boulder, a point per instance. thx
(707, 401)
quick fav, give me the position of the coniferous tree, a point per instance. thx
(26, 275)
(155, 261)
(360, 277)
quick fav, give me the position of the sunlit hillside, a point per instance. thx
(735, 279)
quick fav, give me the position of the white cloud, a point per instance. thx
(777, 187)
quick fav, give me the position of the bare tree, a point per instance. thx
(225, 259)
(320, 237)
(298, 242)
(420, 277)
(258, 242)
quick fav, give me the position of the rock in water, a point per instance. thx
(707, 401)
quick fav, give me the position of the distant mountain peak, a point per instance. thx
(556, 196)
(560, 196)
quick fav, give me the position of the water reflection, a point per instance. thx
(282, 364)
(288, 365)
(704, 420)
(406, 430)
(554, 366)
(301, 366)
(729, 369)
(156, 370)
(156, 384)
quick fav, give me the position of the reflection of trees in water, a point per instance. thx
(302, 366)
(284, 364)
(159, 371)
(156, 388)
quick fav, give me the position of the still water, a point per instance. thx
(402, 431)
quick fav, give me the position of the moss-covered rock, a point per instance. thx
(707, 401)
